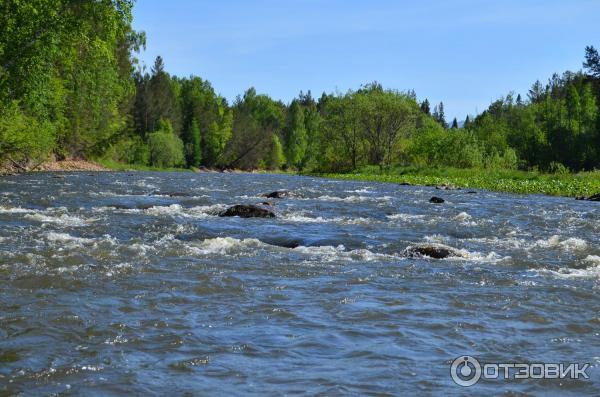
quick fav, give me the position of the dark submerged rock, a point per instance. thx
(120, 206)
(405, 184)
(436, 200)
(170, 194)
(144, 206)
(278, 194)
(435, 251)
(248, 211)
(594, 197)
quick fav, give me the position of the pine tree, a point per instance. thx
(425, 108)
(519, 101)
(454, 123)
(438, 115)
(536, 92)
(592, 61)
(467, 123)
(162, 102)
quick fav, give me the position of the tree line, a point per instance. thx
(71, 86)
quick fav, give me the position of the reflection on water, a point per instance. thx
(112, 283)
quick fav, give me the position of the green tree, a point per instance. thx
(592, 61)
(275, 158)
(68, 64)
(425, 107)
(385, 117)
(162, 98)
(255, 119)
(193, 149)
(439, 116)
(295, 138)
(166, 148)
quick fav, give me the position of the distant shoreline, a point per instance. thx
(582, 184)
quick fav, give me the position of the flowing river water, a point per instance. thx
(110, 286)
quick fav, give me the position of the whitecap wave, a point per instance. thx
(15, 210)
(302, 217)
(249, 246)
(225, 246)
(405, 217)
(571, 273)
(354, 198)
(59, 219)
(569, 244)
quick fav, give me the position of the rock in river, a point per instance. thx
(436, 251)
(248, 211)
(278, 194)
(594, 197)
(170, 194)
(436, 200)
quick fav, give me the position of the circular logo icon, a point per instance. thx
(465, 371)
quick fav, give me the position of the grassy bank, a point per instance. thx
(580, 184)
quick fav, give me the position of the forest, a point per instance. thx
(72, 87)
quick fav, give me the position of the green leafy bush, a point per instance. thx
(23, 137)
(130, 151)
(166, 149)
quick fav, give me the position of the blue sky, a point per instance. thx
(465, 53)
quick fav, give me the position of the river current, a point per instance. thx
(129, 283)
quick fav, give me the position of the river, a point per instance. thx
(111, 284)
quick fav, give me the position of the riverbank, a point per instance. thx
(8, 167)
(570, 185)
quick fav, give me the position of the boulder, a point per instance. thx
(278, 194)
(435, 251)
(248, 211)
(436, 200)
(405, 184)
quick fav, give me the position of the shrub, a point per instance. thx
(166, 149)
(558, 168)
(23, 137)
(131, 151)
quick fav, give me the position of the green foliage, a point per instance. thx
(166, 149)
(22, 137)
(255, 119)
(275, 157)
(296, 139)
(130, 151)
(68, 63)
(193, 151)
